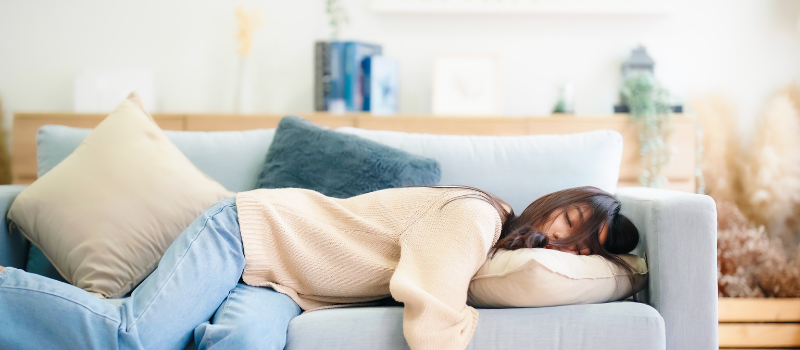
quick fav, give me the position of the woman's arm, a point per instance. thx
(438, 256)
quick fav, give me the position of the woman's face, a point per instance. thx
(562, 223)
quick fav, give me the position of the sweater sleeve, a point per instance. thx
(439, 254)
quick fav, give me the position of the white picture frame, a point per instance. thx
(467, 85)
(100, 90)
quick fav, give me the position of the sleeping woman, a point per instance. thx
(252, 263)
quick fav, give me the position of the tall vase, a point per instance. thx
(243, 96)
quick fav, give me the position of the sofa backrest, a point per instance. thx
(518, 169)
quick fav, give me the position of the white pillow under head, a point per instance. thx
(535, 277)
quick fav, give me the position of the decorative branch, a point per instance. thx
(248, 22)
(337, 17)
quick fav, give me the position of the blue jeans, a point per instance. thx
(197, 280)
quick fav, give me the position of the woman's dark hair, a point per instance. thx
(523, 231)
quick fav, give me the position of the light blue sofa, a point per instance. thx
(678, 238)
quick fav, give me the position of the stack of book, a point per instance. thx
(353, 76)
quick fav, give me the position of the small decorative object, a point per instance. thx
(467, 85)
(337, 17)
(380, 84)
(647, 105)
(100, 90)
(639, 61)
(566, 101)
(248, 22)
(649, 108)
(637, 64)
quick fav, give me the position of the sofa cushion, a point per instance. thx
(305, 155)
(612, 326)
(517, 169)
(106, 214)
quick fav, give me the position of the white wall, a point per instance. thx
(744, 48)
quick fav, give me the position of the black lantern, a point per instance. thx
(638, 62)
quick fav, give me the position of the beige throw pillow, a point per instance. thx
(106, 213)
(535, 277)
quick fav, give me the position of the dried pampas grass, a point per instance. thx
(741, 250)
(793, 91)
(771, 170)
(721, 148)
(749, 263)
(780, 279)
(763, 179)
(753, 248)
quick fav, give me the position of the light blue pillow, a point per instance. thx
(232, 158)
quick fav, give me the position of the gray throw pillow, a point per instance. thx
(304, 155)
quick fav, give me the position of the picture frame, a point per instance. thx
(467, 84)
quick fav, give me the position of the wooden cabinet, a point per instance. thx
(680, 171)
(759, 323)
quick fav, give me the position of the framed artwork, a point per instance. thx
(100, 90)
(467, 85)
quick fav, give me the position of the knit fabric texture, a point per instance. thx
(304, 155)
(420, 245)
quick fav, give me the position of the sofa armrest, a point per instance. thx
(13, 246)
(679, 236)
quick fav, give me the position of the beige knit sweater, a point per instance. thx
(407, 242)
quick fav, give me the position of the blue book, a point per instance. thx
(380, 85)
(322, 74)
(335, 94)
(354, 54)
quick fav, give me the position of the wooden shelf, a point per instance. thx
(759, 323)
(680, 171)
(768, 335)
(759, 310)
